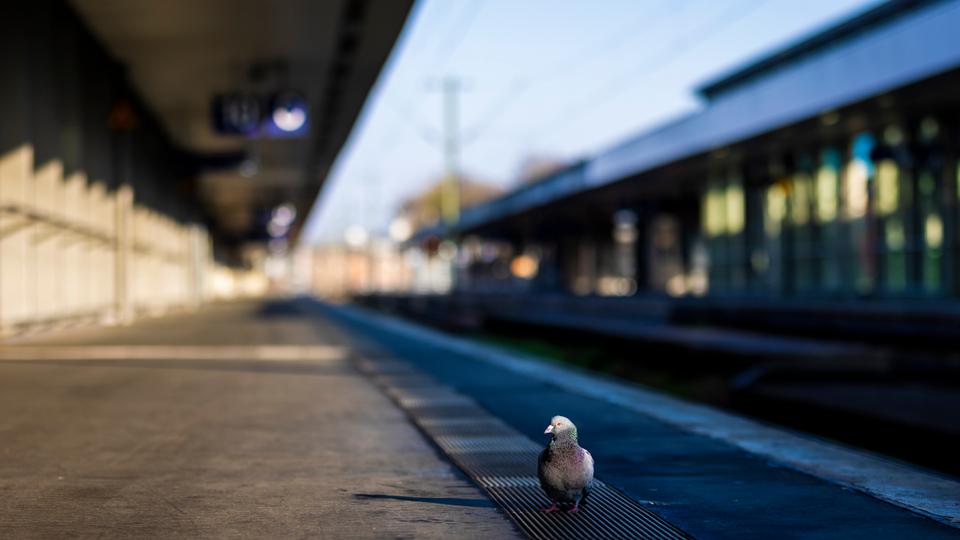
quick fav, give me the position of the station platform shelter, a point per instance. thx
(141, 166)
(814, 192)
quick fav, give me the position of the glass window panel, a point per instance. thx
(896, 261)
(926, 184)
(856, 189)
(857, 179)
(928, 206)
(775, 209)
(958, 179)
(859, 171)
(896, 271)
(888, 187)
(893, 136)
(735, 207)
(775, 212)
(933, 237)
(800, 207)
(714, 219)
(827, 183)
(864, 272)
(933, 231)
(894, 235)
(929, 129)
(863, 146)
(931, 271)
(933, 242)
(706, 212)
(801, 213)
(826, 194)
(827, 205)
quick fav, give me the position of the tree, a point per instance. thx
(534, 168)
(423, 209)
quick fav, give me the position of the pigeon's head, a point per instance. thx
(561, 426)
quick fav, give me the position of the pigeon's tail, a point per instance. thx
(583, 496)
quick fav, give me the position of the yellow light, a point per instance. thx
(958, 179)
(713, 212)
(735, 208)
(677, 285)
(826, 194)
(801, 199)
(894, 235)
(933, 231)
(893, 136)
(888, 189)
(524, 266)
(616, 286)
(856, 189)
(776, 209)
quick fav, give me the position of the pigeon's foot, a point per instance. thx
(575, 509)
(551, 509)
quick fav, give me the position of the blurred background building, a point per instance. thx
(823, 172)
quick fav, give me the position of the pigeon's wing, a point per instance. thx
(553, 491)
(542, 462)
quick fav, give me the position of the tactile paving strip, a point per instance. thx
(503, 462)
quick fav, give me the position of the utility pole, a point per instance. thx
(450, 190)
(370, 219)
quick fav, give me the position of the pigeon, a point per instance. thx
(565, 469)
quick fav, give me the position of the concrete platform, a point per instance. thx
(253, 420)
(244, 421)
(712, 474)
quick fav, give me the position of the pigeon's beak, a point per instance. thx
(548, 430)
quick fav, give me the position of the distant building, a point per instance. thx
(828, 169)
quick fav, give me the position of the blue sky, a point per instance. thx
(562, 79)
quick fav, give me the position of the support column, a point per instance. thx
(198, 251)
(123, 254)
(16, 160)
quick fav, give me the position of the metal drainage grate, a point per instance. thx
(503, 462)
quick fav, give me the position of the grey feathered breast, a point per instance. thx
(563, 478)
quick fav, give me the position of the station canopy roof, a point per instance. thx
(180, 54)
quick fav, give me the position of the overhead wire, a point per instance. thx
(655, 63)
(411, 106)
(587, 54)
(407, 111)
(459, 30)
